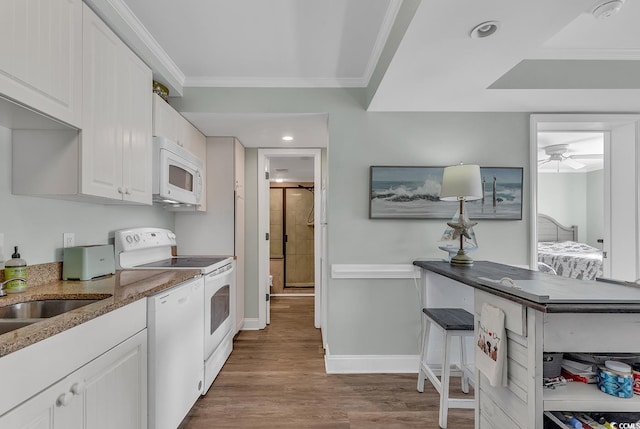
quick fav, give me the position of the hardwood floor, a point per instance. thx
(275, 378)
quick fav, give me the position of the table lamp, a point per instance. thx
(461, 183)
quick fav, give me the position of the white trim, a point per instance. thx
(128, 27)
(371, 364)
(375, 271)
(263, 228)
(586, 54)
(573, 122)
(292, 294)
(250, 324)
(275, 82)
(383, 35)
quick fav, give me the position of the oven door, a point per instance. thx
(219, 294)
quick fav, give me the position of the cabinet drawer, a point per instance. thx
(515, 314)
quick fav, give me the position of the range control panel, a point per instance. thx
(143, 238)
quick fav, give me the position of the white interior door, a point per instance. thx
(621, 204)
(264, 292)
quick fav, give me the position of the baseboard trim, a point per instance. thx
(293, 294)
(371, 364)
(251, 324)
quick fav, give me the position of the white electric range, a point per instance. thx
(152, 248)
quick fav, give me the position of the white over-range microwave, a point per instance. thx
(177, 175)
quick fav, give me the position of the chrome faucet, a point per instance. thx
(2, 289)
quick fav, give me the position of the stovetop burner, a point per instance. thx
(183, 262)
(151, 248)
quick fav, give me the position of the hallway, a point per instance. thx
(275, 378)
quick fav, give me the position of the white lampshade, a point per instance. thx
(461, 182)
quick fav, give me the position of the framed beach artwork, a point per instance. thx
(414, 193)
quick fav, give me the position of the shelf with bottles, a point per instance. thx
(594, 420)
(579, 389)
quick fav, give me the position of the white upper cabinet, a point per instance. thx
(116, 134)
(41, 56)
(109, 160)
(165, 120)
(170, 124)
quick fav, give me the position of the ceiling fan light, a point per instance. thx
(607, 8)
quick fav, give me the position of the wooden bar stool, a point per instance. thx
(453, 322)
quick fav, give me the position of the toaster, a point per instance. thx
(88, 262)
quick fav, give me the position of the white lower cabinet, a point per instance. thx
(107, 393)
(91, 376)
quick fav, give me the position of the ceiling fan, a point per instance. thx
(559, 152)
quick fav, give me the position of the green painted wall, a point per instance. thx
(380, 316)
(36, 224)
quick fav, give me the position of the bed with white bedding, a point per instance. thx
(558, 248)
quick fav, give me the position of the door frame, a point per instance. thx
(591, 122)
(263, 228)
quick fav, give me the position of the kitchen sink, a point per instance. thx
(43, 308)
(8, 325)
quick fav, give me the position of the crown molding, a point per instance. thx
(385, 29)
(261, 82)
(129, 28)
(586, 54)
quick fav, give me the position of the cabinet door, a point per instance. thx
(115, 386)
(50, 409)
(41, 56)
(164, 119)
(136, 107)
(110, 392)
(196, 143)
(102, 132)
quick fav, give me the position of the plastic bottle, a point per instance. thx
(15, 268)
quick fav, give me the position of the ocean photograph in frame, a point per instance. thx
(414, 193)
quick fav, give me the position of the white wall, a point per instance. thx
(563, 196)
(381, 316)
(574, 199)
(36, 224)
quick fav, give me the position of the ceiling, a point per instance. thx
(416, 55)
(546, 56)
(265, 130)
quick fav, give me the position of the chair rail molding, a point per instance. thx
(375, 271)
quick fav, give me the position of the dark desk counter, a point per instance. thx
(541, 291)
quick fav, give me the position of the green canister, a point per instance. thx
(15, 268)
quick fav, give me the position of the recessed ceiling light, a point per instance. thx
(607, 8)
(484, 29)
(287, 138)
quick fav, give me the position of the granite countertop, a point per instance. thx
(117, 290)
(542, 291)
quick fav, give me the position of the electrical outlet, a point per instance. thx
(68, 239)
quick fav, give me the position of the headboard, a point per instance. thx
(550, 229)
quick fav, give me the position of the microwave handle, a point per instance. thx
(199, 187)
